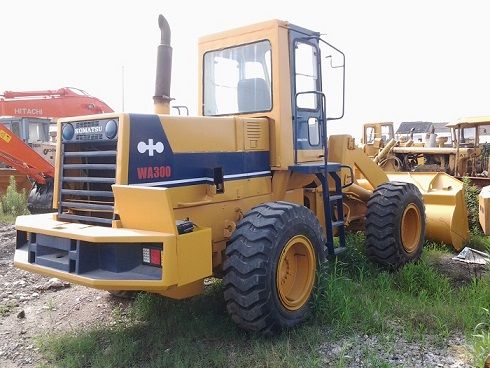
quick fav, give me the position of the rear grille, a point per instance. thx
(88, 171)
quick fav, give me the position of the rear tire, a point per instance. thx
(395, 225)
(271, 264)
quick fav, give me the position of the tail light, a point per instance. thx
(152, 257)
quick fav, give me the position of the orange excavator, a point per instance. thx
(25, 147)
(63, 102)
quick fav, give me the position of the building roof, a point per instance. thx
(441, 128)
(417, 126)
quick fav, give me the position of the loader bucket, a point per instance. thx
(445, 206)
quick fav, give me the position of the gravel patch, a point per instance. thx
(392, 351)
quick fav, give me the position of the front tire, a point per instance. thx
(271, 265)
(395, 225)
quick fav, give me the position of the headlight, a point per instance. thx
(68, 131)
(111, 129)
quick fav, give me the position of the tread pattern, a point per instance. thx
(250, 257)
(384, 211)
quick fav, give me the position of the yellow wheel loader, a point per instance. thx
(248, 190)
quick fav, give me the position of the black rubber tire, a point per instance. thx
(385, 210)
(253, 254)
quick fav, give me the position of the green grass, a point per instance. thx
(480, 242)
(353, 297)
(480, 347)
(192, 333)
(7, 307)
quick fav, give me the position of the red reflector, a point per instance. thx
(155, 255)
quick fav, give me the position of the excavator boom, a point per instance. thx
(17, 154)
(58, 103)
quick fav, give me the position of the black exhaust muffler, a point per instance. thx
(162, 99)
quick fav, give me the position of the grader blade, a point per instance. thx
(445, 207)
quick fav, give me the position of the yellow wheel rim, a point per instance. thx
(296, 272)
(410, 228)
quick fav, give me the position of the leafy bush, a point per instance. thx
(13, 202)
(471, 197)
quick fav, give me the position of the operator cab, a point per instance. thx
(30, 130)
(376, 136)
(273, 70)
(465, 132)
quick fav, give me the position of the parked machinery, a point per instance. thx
(63, 102)
(459, 154)
(26, 146)
(31, 131)
(28, 152)
(159, 203)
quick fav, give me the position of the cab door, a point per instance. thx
(308, 101)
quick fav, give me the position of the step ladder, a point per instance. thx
(332, 202)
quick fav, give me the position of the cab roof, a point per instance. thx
(471, 121)
(270, 24)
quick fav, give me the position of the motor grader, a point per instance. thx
(248, 190)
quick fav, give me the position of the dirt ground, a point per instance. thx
(33, 305)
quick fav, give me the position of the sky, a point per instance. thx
(405, 60)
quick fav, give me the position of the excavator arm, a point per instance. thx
(15, 153)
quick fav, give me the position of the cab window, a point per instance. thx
(369, 135)
(237, 80)
(306, 75)
(38, 132)
(386, 132)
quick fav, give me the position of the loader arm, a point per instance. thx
(447, 219)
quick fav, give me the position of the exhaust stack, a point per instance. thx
(161, 99)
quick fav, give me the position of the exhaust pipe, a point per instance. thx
(161, 99)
